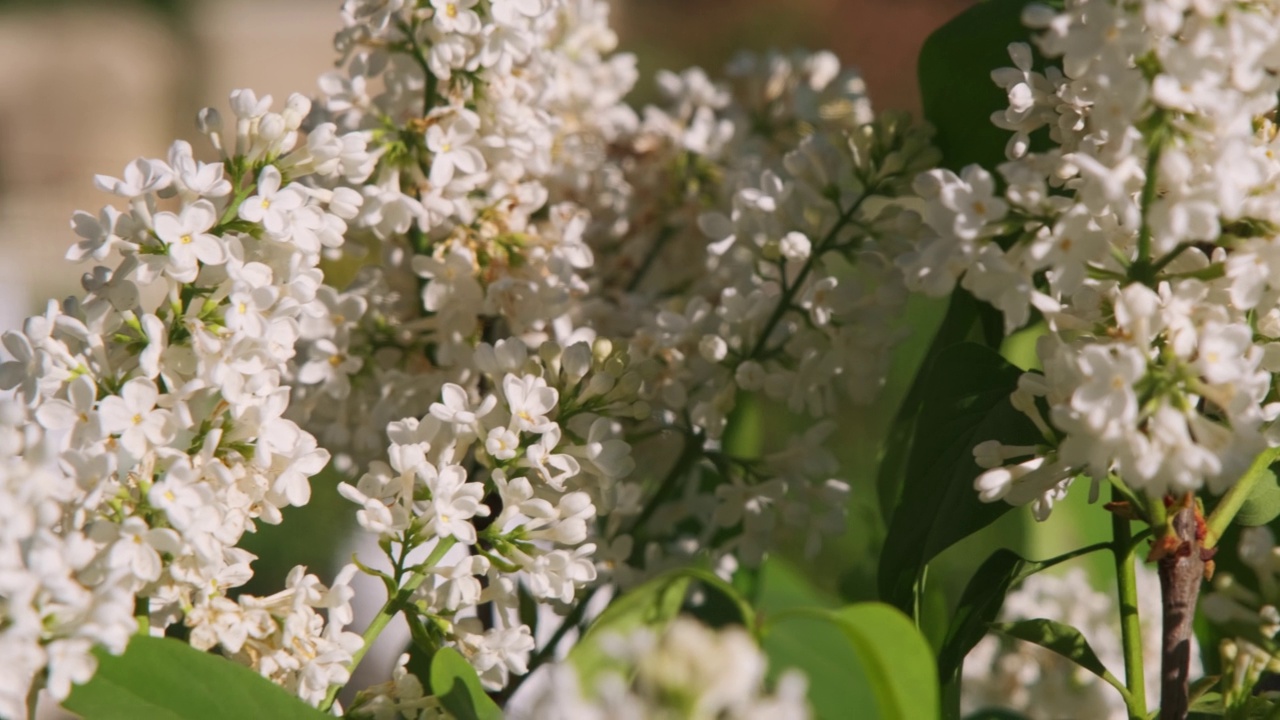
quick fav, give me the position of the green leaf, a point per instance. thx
(995, 714)
(979, 606)
(651, 604)
(966, 401)
(832, 668)
(1263, 504)
(654, 604)
(458, 688)
(165, 679)
(955, 81)
(723, 605)
(896, 657)
(1064, 640)
(893, 659)
(956, 325)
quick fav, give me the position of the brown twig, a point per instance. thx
(1181, 562)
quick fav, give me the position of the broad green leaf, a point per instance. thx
(955, 81)
(965, 401)
(1263, 503)
(1064, 640)
(832, 668)
(995, 714)
(652, 604)
(458, 688)
(896, 657)
(892, 660)
(166, 679)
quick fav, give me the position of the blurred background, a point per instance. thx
(87, 86)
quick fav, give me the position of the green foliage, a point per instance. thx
(979, 606)
(955, 81)
(1064, 640)
(654, 604)
(966, 401)
(165, 679)
(455, 683)
(893, 660)
(1263, 504)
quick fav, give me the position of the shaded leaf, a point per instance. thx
(956, 88)
(1064, 640)
(455, 683)
(965, 401)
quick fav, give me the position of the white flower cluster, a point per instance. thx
(529, 283)
(1145, 236)
(1016, 675)
(686, 670)
(518, 477)
(282, 636)
(545, 297)
(146, 434)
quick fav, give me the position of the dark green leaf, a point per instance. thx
(1263, 504)
(956, 325)
(965, 401)
(955, 81)
(979, 606)
(995, 714)
(722, 604)
(1064, 640)
(164, 679)
(458, 688)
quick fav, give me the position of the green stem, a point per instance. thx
(1225, 512)
(142, 613)
(1130, 627)
(394, 604)
(1142, 269)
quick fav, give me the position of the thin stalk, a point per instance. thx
(664, 236)
(1143, 264)
(1123, 550)
(142, 613)
(394, 604)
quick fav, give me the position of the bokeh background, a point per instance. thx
(87, 86)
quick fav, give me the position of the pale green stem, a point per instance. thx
(1130, 627)
(394, 604)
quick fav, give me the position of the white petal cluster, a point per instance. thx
(518, 476)
(550, 295)
(529, 283)
(685, 670)
(146, 432)
(1144, 235)
(1015, 675)
(282, 636)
